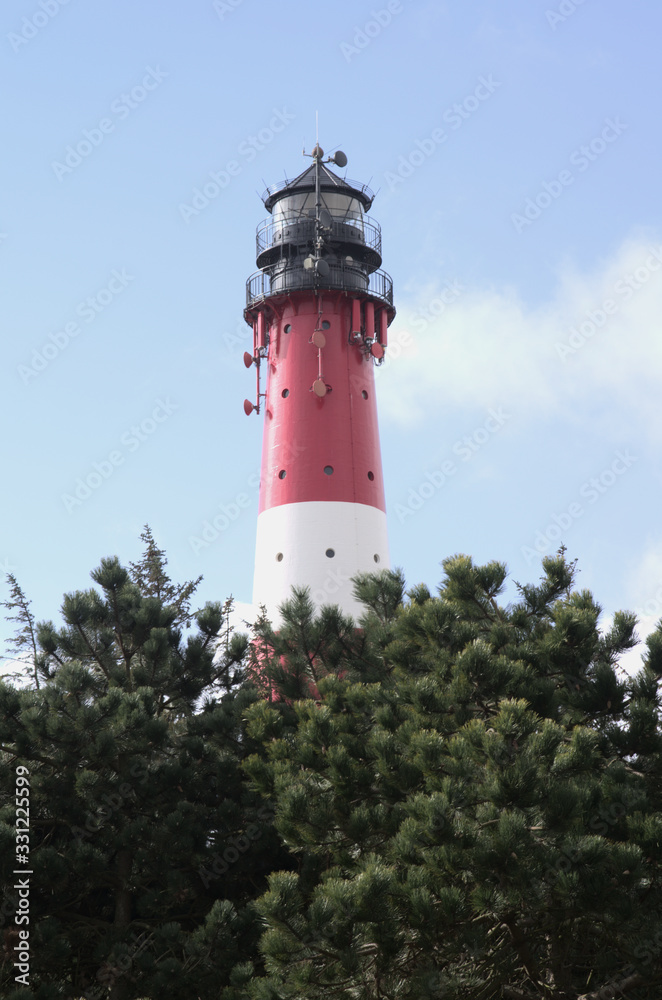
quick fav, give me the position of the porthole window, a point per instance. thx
(376, 558)
(279, 557)
(285, 393)
(282, 474)
(287, 328)
(371, 476)
(325, 324)
(328, 470)
(364, 394)
(330, 553)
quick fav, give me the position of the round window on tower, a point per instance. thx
(285, 393)
(282, 474)
(287, 328)
(330, 553)
(328, 470)
(371, 476)
(325, 324)
(376, 558)
(364, 393)
(279, 557)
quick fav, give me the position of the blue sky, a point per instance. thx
(515, 148)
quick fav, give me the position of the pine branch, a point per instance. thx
(120, 636)
(523, 950)
(91, 650)
(620, 986)
(33, 756)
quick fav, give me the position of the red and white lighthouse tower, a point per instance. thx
(319, 307)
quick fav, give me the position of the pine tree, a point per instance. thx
(151, 577)
(24, 643)
(473, 796)
(146, 845)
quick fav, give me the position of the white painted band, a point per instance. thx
(291, 550)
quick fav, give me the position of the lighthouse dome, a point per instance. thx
(329, 183)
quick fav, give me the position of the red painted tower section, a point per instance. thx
(319, 308)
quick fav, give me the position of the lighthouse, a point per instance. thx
(319, 307)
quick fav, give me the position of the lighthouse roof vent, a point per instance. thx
(329, 181)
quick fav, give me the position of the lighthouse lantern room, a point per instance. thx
(319, 308)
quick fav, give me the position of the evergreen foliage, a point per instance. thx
(24, 642)
(146, 845)
(452, 799)
(473, 795)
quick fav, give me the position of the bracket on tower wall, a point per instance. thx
(248, 361)
(368, 330)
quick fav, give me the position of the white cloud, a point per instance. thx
(486, 347)
(644, 597)
(645, 581)
(243, 613)
(630, 662)
(22, 671)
